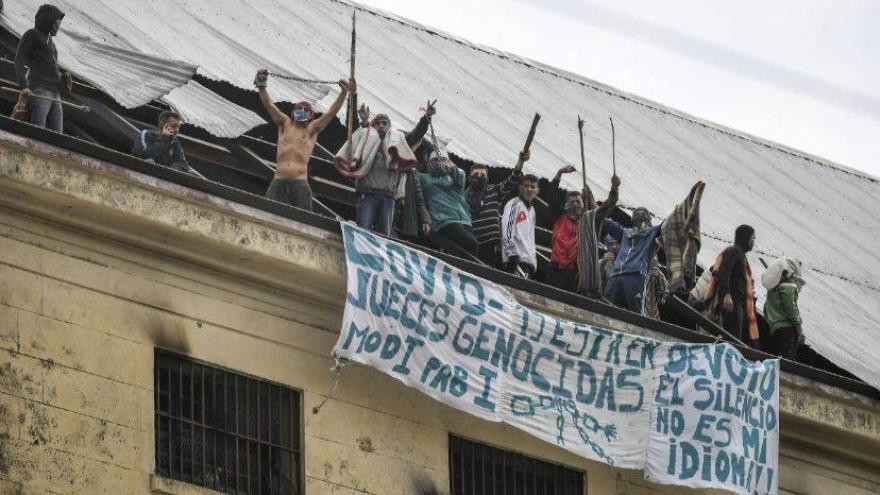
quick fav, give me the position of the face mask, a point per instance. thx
(300, 115)
(574, 211)
(478, 182)
(436, 168)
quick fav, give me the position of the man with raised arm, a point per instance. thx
(297, 135)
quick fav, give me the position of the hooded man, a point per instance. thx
(297, 135)
(734, 294)
(627, 283)
(161, 146)
(574, 256)
(37, 71)
(783, 282)
(484, 201)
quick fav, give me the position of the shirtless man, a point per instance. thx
(297, 135)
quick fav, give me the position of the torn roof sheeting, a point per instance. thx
(129, 76)
(202, 107)
(486, 101)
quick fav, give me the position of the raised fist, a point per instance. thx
(261, 78)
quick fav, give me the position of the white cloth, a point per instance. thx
(518, 232)
(773, 274)
(367, 143)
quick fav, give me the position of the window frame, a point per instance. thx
(297, 421)
(507, 457)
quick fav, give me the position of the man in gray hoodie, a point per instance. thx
(37, 71)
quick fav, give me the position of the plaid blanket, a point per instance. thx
(589, 277)
(680, 239)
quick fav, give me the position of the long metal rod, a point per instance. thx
(82, 108)
(613, 148)
(351, 97)
(583, 157)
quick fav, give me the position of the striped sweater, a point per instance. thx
(485, 208)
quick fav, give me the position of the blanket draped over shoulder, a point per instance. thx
(589, 281)
(680, 239)
(714, 301)
(365, 144)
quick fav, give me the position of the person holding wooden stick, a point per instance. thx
(574, 259)
(297, 135)
(37, 71)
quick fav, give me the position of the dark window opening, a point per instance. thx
(226, 431)
(478, 469)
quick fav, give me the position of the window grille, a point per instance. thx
(477, 469)
(226, 431)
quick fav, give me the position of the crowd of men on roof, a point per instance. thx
(407, 188)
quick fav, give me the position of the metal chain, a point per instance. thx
(300, 79)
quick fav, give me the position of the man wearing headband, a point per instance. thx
(297, 135)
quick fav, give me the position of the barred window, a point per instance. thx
(478, 469)
(226, 431)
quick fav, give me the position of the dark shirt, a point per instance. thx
(36, 51)
(485, 206)
(732, 275)
(152, 145)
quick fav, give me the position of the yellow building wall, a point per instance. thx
(81, 314)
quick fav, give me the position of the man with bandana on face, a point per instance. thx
(37, 71)
(735, 288)
(297, 135)
(484, 201)
(571, 236)
(626, 285)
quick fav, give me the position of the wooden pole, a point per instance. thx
(583, 157)
(529, 138)
(82, 108)
(351, 97)
(613, 148)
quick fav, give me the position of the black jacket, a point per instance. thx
(152, 145)
(36, 50)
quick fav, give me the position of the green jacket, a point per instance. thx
(781, 308)
(444, 195)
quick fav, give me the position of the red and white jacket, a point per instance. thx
(518, 232)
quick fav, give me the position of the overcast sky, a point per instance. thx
(803, 73)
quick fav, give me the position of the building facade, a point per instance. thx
(155, 332)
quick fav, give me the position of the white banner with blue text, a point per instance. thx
(596, 392)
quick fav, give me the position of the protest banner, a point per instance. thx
(715, 421)
(593, 391)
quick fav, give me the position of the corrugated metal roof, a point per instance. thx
(129, 76)
(801, 206)
(202, 107)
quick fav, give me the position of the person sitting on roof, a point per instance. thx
(518, 252)
(484, 201)
(443, 186)
(783, 282)
(574, 262)
(638, 247)
(37, 71)
(412, 220)
(297, 135)
(162, 146)
(379, 154)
